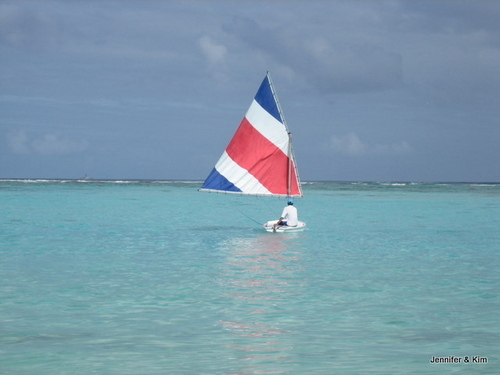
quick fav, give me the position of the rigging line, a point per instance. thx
(248, 217)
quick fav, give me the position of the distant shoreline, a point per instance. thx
(188, 181)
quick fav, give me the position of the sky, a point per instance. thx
(371, 90)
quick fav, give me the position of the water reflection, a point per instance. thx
(260, 281)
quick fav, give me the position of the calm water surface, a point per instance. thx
(157, 278)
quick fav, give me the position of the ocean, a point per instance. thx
(154, 277)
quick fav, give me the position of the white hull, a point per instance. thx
(269, 227)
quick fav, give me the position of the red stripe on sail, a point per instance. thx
(261, 158)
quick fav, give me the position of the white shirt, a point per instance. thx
(290, 216)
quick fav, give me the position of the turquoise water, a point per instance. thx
(157, 278)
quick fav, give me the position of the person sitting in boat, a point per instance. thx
(289, 217)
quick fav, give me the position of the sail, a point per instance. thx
(259, 158)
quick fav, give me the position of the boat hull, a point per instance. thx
(269, 227)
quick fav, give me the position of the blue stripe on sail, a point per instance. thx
(216, 181)
(266, 99)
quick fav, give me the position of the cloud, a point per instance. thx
(419, 70)
(351, 145)
(48, 145)
(51, 144)
(328, 57)
(348, 144)
(215, 53)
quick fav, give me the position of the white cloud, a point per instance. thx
(215, 53)
(351, 145)
(50, 144)
(348, 144)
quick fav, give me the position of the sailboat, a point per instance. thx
(259, 159)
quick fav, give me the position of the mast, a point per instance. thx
(291, 158)
(289, 179)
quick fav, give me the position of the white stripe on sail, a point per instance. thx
(240, 177)
(268, 126)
